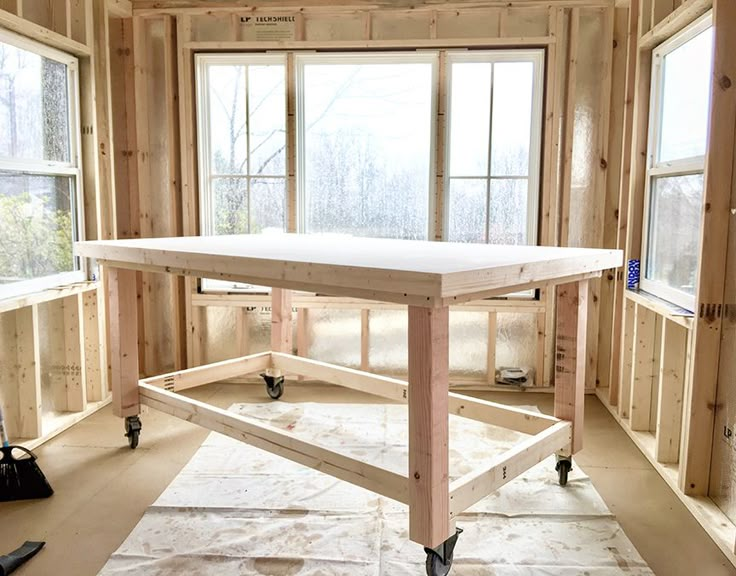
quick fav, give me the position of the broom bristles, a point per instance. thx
(21, 478)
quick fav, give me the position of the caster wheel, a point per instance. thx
(439, 560)
(563, 467)
(133, 431)
(274, 385)
(436, 567)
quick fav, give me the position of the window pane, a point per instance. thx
(513, 85)
(36, 226)
(674, 231)
(34, 106)
(228, 138)
(267, 205)
(230, 205)
(686, 98)
(467, 205)
(470, 113)
(367, 148)
(509, 203)
(267, 118)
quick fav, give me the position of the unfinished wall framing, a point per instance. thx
(670, 378)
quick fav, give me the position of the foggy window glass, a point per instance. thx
(38, 167)
(686, 98)
(367, 147)
(679, 117)
(245, 179)
(674, 231)
(494, 125)
(34, 106)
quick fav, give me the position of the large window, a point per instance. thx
(680, 104)
(492, 174)
(365, 133)
(242, 145)
(364, 125)
(39, 166)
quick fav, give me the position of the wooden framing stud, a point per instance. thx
(643, 369)
(28, 357)
(281, 320)
(671, 386)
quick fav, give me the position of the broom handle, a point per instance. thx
(3, 431)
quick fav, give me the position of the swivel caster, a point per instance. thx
(439, 560)
(274, 385)
(563, 467)
(133, 430)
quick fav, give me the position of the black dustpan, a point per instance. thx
(20, 476)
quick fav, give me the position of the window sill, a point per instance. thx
(659, 306)
(16, 302)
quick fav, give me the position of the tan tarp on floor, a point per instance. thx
(235, 510)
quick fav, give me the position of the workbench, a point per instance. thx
(428, 277)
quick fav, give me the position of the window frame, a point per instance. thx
(71, 169)
(537, 56)
(431, 57)
(654, 169)
(204, 147)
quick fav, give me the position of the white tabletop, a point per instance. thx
(415, 272)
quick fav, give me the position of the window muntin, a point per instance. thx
(241, 111)
(365, 129)
(493, 154)
(679, 115)
(39, 167)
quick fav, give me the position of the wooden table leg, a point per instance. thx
(281, 320)
(570, 355)
(429, 514)
(123, 319)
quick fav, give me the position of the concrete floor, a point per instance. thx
(102, 488)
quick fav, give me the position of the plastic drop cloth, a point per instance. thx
(235, 510)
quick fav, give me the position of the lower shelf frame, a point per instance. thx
(547, 435)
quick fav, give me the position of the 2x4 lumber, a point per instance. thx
(643, 369)
(36, 298)
(120, 8)
(76, 386)
(570, 344)
(440, 89)
(678, 19)
(550, 149)
(42, 34)
(365, 339)
(476, 485)
(142, 77)
(58, 365)
(671, 386)
(569, 126)
(200, 375)
(309, 301)
(195, 7)
(628, 337)
(276, 441)
(281, 329)
(123, 320)
(719, 182)
(491, 348)
(106, 217)
(661, 307)
(501, 415)
(429, 518)
(93, 360)
(175, 224)
(291, 186)
(28, 358)
(614, 95)
(421, 43)
(632, 64)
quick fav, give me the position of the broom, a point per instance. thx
(20, 478)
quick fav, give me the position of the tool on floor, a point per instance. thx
(9, 563)
(20, 478)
